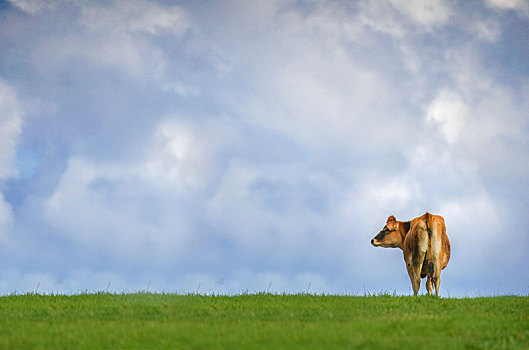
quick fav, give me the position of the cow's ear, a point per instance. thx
(391, 219)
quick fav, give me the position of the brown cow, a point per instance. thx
(425, 245)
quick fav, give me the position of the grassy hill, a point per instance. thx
(261, 321)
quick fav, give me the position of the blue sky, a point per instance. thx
(232, 146)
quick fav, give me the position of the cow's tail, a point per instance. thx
(429, 226)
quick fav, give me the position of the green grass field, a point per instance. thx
(261, 321)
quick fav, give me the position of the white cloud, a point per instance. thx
(475, 218)
(115, 36)
(113, 209)
(387, 16)
(477, 227)
(34, 6)
(134, 208)
(487, 30)
(476, 116)
(185, 151)
(330, 23)
(122, 53)
(450, 112)
(259, 206)
(182, 90)
(516, 5)
(136, 16)
(380, 16)
(10, 129)
(6, 220)
(429, 13)
(279, 213)
(323, 101)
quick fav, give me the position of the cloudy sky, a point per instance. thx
(232, 146)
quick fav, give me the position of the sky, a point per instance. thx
(244, 146)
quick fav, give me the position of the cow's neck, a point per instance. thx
(404, 227)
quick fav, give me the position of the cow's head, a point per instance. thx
(389, 236)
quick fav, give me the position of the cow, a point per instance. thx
(425, 245)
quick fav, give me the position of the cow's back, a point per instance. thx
(417, 240)
(440, 242)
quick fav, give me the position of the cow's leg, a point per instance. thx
(437, 251)
(417, 261)
(429, 285)
(437, 279)
(414, 272)
(415, 280)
